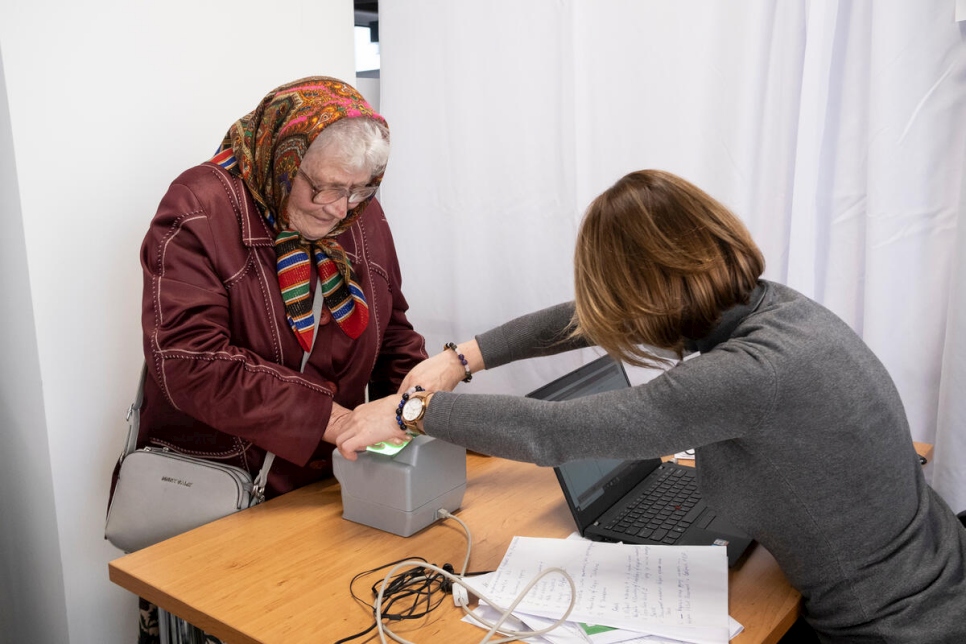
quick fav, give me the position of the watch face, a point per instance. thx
(411, 409)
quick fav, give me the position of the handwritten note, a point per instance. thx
(670, 591)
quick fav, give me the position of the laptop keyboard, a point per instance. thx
(662, 512)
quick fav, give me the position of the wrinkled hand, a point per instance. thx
(337, 417)
(368, 424)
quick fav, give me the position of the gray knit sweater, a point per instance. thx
(801, 439)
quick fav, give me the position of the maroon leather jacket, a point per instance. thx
(223, 364)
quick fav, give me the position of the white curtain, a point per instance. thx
(836, 130)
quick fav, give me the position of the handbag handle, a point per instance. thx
(134, 426)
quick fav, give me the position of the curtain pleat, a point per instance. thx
(836, 130)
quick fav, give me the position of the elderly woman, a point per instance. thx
(272, 291)
(800, 435)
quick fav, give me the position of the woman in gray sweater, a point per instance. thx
(800, 435)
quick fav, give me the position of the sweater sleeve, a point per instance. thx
(718, 396)
(537, 334)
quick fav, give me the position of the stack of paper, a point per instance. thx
(625, 592)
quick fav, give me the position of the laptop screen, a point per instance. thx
(603, 374)
(587, 480)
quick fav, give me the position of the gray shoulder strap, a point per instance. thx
(134, 415)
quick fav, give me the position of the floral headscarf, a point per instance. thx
(265, 148)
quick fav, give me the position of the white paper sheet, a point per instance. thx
(680, 592)
(572, 633)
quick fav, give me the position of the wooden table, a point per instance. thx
(279, 573)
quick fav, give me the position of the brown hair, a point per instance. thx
(657, 261)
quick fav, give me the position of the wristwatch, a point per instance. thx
(414, 410)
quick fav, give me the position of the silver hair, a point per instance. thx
(358, 143)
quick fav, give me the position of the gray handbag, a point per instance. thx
(161, 493)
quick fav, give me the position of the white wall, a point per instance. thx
(31, 581)
(102, 104)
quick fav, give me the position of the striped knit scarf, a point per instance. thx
(343, 297)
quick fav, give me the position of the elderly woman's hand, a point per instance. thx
(368, 424)
(444, 370)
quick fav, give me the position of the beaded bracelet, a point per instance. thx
(402, 403)
(466, 365)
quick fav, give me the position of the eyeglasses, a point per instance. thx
(326, 195)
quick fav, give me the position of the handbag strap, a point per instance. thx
(134, 415)
(258, 488)
(134, 426)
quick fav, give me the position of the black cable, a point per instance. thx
(416, 592)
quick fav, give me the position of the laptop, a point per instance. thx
(634, 501)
